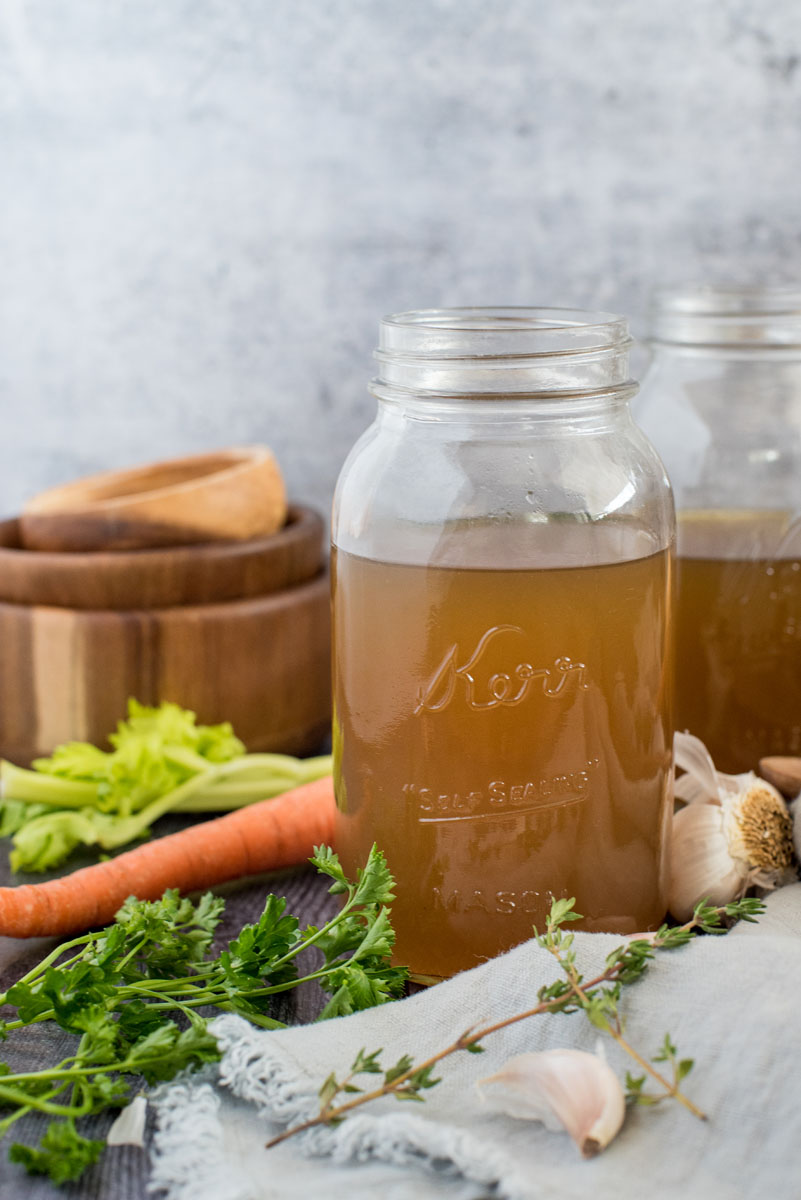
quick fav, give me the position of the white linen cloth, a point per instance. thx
(732, 1003)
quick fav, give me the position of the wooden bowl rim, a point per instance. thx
(301, 520)
(90, 493)
(163, 576)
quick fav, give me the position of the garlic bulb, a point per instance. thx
(565, 1089)
(735, 831)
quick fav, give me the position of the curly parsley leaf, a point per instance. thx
(130, 995)
(63, 1153)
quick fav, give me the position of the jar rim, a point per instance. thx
(727, 314)
(500, 331)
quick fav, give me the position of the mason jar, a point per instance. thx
(502, 544)
(722, 404)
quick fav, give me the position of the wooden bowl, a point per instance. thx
(262, 663)
(230, 495)
(162, 577)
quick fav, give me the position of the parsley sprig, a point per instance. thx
(130, 994)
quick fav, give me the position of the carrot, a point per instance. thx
(262, 837)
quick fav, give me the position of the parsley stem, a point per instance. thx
(13, 1096)
(132, 1066)
(259, 1019)
(183, 987)
(24, 1109)
(181, 1007)
(132, 953)
(208, 995)
(196, 1002)
(50, 958)
(9, 1026)
(321, 932)
(179, 982)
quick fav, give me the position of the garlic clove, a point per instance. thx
(129, 1127)
(701, 864)
(565, 1089)
(690, 790)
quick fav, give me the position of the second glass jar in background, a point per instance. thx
(722, 404)
(501, 575)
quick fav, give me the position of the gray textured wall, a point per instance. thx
(205, 205)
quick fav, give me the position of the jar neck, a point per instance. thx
(497, 415)
(727, 320)
(482, 356)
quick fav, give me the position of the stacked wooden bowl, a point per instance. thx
(236, 630)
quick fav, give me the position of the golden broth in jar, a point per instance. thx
(738, 634)
(498, 737)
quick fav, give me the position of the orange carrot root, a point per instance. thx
(262, 837)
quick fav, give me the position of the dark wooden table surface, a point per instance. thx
(122, 1171)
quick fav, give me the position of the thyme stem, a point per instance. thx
(624, 966)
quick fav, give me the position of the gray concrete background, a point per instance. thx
(205, 205)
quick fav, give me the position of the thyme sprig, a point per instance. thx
(598, 998)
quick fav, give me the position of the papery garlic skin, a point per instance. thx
(700, 784)
(565, 1089)
(703, 783)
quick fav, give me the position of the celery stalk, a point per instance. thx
(161, 761)
(33, 787)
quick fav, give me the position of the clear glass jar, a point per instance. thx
(502, 540)
(722, 404)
